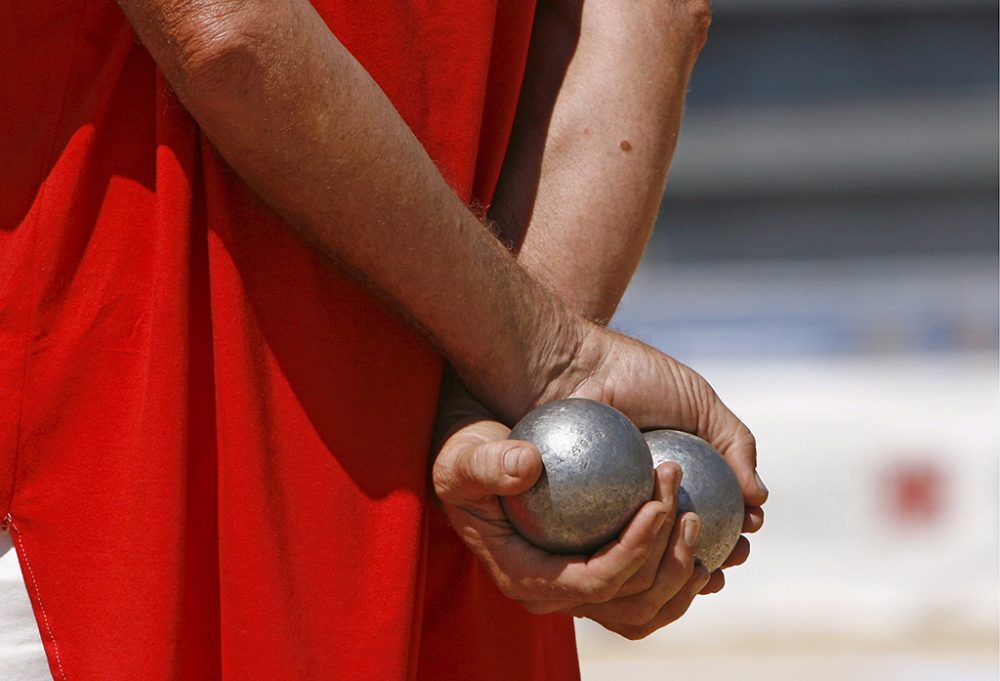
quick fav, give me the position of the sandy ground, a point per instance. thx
(929, 658)
(827, 665)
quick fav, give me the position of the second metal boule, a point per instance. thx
(708, 488)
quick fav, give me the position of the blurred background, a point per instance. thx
(827, 256)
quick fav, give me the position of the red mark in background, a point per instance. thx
(914, 492)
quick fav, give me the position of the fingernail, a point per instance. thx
(512, 461)
(692, 528)
(676, 483)
(658, 521)
(760, 483)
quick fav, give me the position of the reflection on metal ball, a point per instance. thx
(708, 487)
(597, 472)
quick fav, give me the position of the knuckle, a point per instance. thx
(638, 586)
(636, 633)
(645, 613)
(508, 588)
(636, 615)
(629, 589)
(632, 632)
(644, 582)
(478, 467)
(537, 608)
(681, 576)
(532, 607)
(597, 590)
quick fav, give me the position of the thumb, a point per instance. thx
(499, 467)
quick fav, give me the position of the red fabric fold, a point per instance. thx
(214, 445)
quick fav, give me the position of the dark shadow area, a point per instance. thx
(554, 39)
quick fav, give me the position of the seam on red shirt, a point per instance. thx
(37, 595)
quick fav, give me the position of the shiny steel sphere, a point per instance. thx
(708, 487)
(597, 472)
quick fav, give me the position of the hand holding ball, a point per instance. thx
(708, 487)
(598, 471)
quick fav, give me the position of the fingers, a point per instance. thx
(671, 611)
(668, 481)
(619, 562)
(544, 582)
(675, 570)
(714, 422)
(637, 583)
(630, 565)
(739, 554)
(739, 447)
(714, 584)
(464, 473)
(468, 474)
(753, 519)
(679, 604)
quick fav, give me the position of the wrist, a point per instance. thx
(572, 374)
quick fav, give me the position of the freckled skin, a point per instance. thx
(625, 145)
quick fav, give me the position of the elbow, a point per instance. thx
(212, 51)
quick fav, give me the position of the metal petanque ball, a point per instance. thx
(597, 472)
(708, 487)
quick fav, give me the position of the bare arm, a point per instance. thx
(305, 125)
(596, 129)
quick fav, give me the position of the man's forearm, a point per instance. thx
(596, 129)
(303, 123)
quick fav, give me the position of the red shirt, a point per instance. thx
(213, 445)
